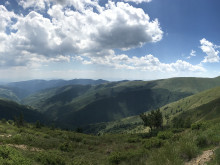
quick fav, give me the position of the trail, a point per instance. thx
(21, 146)
(25, 147)
(202, 159)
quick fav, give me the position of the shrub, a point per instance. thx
(3, 120)
(17, 139)
(177, 130)
(9, 156)
(196, 126)
(217, 156)
(50, 158)
(152, 143)
(188, 150)
(167, 155)
(201, 141)
(79, 161)
(133, 140)
(116, 157)
(125, 157)
(165, 135)
(66, 147)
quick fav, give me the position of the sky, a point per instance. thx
(109, 39)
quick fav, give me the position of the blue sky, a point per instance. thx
(113, 40)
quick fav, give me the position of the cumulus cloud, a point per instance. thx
(117, 26)
(192, 54)
(138, 1)
(210, 50)
(5, 19)
(37, 4)
(79, 5)
(82, 35)
(70, 32)
(144, 63)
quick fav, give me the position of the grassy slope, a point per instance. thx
(29, 145)
(203, 101)
(57, 147)
(202, 106)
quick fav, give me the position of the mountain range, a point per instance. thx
(79, 103)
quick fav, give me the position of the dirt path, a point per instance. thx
(6, 135)
(202, 159)
(21, 146)
(24, 147)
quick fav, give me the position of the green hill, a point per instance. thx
(74, 106)
(202, 106)
(8, 94)
(9, 110)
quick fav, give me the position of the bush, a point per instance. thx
(125, 157)
(177, 130)
(3, 120)
(167, 155)
(165, 135)
(17, 139)
(217, 156)
(9, 156)
(196, 126)
(80, 161)
(201, 141)
(50, 158)
(152, 143)
(66, 147)
(188, 150)
(133, 140)
(116, 157)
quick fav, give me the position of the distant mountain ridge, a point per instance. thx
(113, 100)
(19, 90)
(96, 101)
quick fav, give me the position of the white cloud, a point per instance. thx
(138, 1)
(144, 63)
(82, 35)
(192, 54)
(5, 18)
(7, 3)
(118, 25)
(209, 48)
(79, 5)
(37, 4)
(71, 32)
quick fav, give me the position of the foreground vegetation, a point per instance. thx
(34, 144)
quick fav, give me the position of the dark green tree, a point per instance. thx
(158, 119)
(38, 124)
(153, 120)
(19, 121)
(147, 120)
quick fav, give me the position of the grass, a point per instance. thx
(29, 145)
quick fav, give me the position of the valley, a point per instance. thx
(100, 123)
